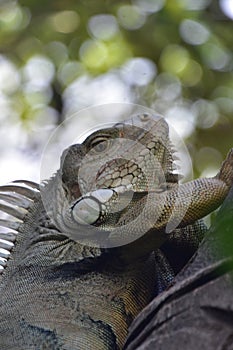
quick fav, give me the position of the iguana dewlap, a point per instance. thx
(70, 284)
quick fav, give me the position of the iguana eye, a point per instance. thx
(100, 144)
(144, 117)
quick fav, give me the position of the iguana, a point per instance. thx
(89, 248)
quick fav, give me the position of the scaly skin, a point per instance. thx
(60, 289)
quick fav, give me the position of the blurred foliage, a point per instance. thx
(174, 56)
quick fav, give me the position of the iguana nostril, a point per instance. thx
(144, 117)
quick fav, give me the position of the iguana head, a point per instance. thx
(128, 153)
(111, 171)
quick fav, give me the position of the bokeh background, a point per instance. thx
(58, 57)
